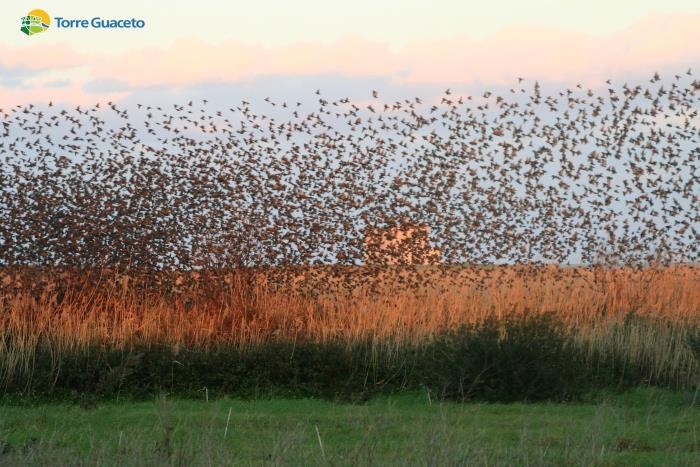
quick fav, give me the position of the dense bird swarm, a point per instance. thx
(527, 177)
(132, 237)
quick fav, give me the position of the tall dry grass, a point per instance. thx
(66, 311)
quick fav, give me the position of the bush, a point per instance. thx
(529, 358)
(306, 369)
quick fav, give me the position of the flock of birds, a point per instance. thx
(575, 176)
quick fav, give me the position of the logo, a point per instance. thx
(35, 22)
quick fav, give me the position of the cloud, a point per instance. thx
(106, 86)
(58, 83)
(189, 61)
(287, 88)
(41, 56)
(24, 78)
(11, 77)
(57, 91)
(533, 51)
(656, 42)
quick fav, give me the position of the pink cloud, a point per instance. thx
(660, 40)
(189, 61)
(72, 95)
(39, 89)
(41, 56)
(557, 55)
(534, 52)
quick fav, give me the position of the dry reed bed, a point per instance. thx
(67, 312)
(399, 304)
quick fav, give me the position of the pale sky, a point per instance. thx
(398, 43)
(282, 22)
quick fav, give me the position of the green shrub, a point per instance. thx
(513, 359)
(528, 359)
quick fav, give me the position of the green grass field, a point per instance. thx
(640, 427)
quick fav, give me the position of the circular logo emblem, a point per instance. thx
(35, 22)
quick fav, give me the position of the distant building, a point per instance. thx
(406, 244)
